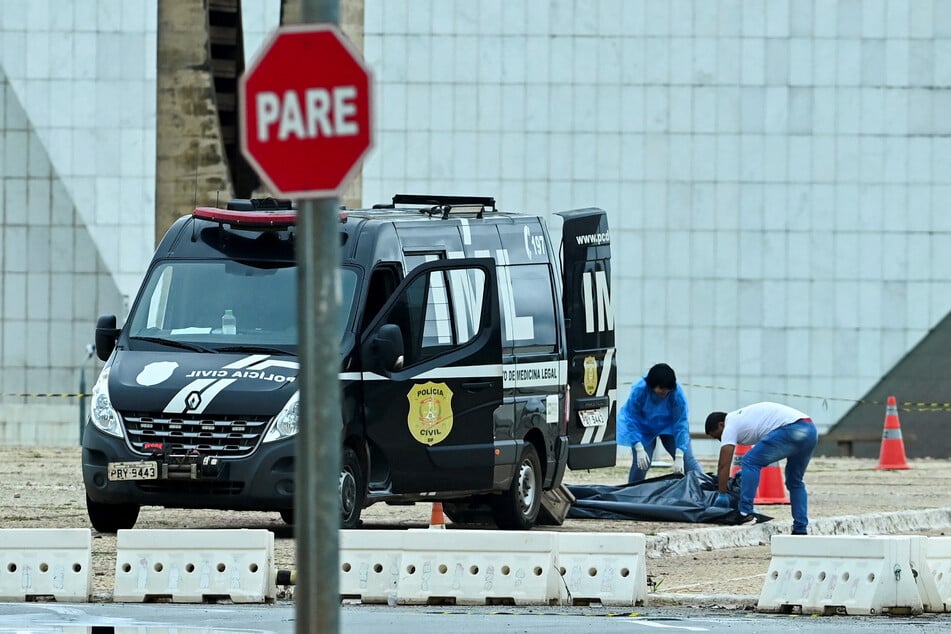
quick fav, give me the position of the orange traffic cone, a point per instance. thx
(738, 454)
(892, 454)
(771, 489)
(437, 519)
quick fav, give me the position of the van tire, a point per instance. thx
(109, 518)
(517, 508)
(288, 516)
(353, 489)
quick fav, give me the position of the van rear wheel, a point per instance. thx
(352, 489)
(109, 518)
(517, 508)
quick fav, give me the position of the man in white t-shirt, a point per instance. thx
(775, 432)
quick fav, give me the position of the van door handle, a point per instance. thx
(477, 385)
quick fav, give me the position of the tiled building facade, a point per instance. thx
(775, 171)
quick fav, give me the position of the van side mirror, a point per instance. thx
(106, 335)
(383, 353)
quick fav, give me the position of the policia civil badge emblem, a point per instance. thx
(430, 412)
(590, 375)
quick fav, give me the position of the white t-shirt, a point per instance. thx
(748, 425)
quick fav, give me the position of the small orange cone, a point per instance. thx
(892, 454)
(771, 489)
(437, 519)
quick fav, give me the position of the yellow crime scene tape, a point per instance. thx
(48, 395)
(905, 406)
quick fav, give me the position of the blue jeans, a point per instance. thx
(794, 442)
(690, 463)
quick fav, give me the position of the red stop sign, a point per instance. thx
(304, 108)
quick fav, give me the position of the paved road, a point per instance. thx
(279, 619)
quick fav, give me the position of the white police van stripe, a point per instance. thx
(209, 394)
(210, 388)
(275, 363)
(245, 362)
(177, 404)
(540, 374)
(596, 434)
(455, 372)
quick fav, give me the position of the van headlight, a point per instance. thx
(101, 412)
(285, 424)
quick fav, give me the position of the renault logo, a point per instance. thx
(193, 400)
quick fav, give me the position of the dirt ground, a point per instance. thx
(41, 487)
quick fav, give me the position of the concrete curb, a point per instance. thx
(686, 542)
(686, 600)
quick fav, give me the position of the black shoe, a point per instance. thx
(743, 520)
(800, 533)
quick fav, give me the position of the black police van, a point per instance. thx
(476, 363)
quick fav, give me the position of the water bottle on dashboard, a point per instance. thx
(229, 324)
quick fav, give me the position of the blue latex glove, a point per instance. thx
(723, 500)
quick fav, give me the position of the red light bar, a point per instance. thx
(284, 218)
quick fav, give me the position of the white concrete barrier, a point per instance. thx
(194, 566)
(841, 575)
(43, 563)
(370, 564)
(606, 568)
(936, 582)
(475, 567)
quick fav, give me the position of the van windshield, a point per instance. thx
(187, 302)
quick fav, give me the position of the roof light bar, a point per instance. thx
(283, 218)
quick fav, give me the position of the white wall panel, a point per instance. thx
(741, 142)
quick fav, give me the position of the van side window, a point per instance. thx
(440, 312)
(456, 322)
(529, 314)
(383, 281)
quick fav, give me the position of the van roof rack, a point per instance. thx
(443, 205)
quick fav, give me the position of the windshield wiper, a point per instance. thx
(254, 348)
(175, 344)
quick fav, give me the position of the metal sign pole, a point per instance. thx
(316, 500)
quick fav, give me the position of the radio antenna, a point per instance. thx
(195, 202)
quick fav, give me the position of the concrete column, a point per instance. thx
(190, 167)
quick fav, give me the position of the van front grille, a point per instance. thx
(223, 437)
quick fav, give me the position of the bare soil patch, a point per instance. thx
(41, 487)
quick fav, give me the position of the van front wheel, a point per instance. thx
(517, 508)
(352, 489)
(109, 518)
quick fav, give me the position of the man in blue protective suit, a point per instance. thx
(656, 408)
